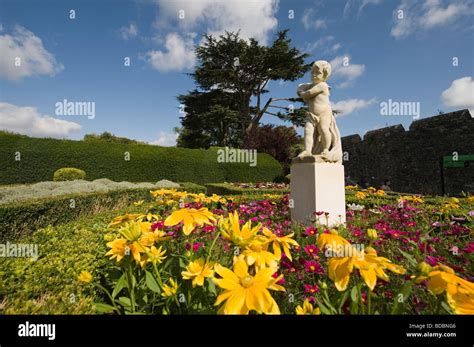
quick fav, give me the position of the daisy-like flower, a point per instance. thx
(197, 271)
(118, 221)
(279, 242)
(311, 250)
(360, 195)
(370, 268)
(170, 289)
(311, 231)
(239, 235)
(313, 267)
(307, 308)
(85, 277)
(243, 292)
(257, 253)
(459, 292)
(311, 289)
(331, 239)
(191, 218)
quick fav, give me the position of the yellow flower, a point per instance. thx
(360, 195)
(380, 192)
(370, 267)
(117, 221)
(85, 277)
(136, 240)
(372, 234)
(352, 187)
(371, 190)
(331, 239)
(307, 308)
(459, 292)
(170, 289)
(139, 202)
(285, 242)
(197, 271)
(470, 199)
(191, 218)
(240, 236)
(257, 254)
(155, 255)
(243, 292)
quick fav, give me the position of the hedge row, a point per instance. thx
(23, 218)
(230, 189)
(25, 160)
(50, 285)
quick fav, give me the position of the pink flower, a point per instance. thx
(311, 250)
(158, 225)
(431, 260)
(311, 231)
(281, 281)
(197, 246)
(208, 228)
(469, 248)
(308, 288)
(313, 267)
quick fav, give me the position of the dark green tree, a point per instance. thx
(241, 69)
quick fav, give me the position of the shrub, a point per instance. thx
(40, 157)
(69, 174)
(230, 189)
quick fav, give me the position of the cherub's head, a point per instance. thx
(320, 71)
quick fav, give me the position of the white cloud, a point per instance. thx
(28, 121)
(460, 94)
(348, 74)
(34, 58)
(165, 139)
(348, 106)
(254, 19)
(310, 22)
(129, 32)
(179, 54)
(430, 14)
(351, 5)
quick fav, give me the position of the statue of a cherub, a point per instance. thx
(325, 143)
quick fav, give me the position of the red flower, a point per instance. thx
(308, 288)
(311, 231)
(311, 250)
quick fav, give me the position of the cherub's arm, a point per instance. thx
(312, 92)
(303, 87)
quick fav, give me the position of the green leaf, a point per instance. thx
(409, 257)
(103, 308)
(121, 283)
(343, 300)
(152, 283)
(354, 294)
(405, 292)
(124, 301)
(212, 286)
(446, 307)
(323, 308)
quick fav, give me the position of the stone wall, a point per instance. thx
(411, 159)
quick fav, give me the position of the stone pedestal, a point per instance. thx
(317, 187)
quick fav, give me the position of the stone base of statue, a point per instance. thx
(317, 187)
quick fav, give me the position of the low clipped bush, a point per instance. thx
(230, 189)
(69, 174)
(22, 218)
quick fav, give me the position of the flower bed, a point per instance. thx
(192, 253)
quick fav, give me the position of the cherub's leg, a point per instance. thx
(323, 128)
(308, 140)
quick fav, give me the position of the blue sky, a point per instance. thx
(406, 59)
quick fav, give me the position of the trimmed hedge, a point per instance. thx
(50, 285)
(22, 218)
(39, 158)
(69, 174)
(230, 189)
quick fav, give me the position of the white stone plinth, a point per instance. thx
(317, 187)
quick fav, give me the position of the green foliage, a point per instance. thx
(192, 187)
(229, 189)
(69, 174)
(243, 67)
(49, 285)
(111, 138)
(40, 157)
